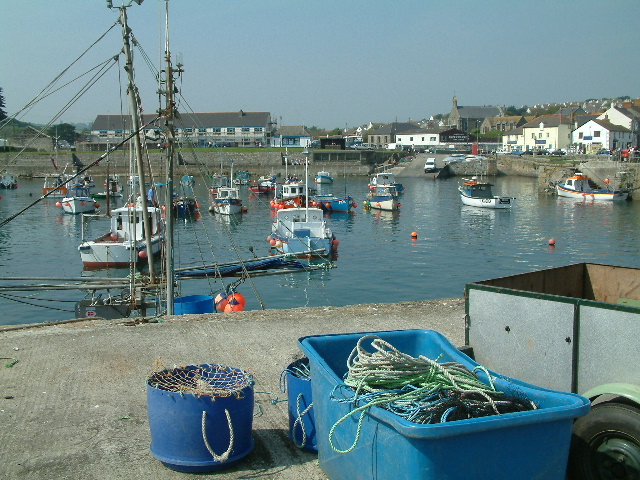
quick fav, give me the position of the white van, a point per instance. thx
(430, 165)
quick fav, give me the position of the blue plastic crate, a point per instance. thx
(523, 445)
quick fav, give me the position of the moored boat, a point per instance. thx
(124, 244)
(478, 193)
(8, 181)
(302, 231)
(385, 179)
(78, 200)
(323, 177)
(291, 195)
(382, 198)
(579, 186)
(113, 188)
(264, 185)
(333, 203)
(227, 201)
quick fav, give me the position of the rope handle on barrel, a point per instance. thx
(298, 421)
(225, 456)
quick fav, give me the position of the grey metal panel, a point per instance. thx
(534, 348)
(608, 350)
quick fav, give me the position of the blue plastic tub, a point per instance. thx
(302, 424)
(187, 430)
(193, 304)
(523, 445)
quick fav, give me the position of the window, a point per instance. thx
(411, 139)
(246, 129)
(596, 133)
(433, 139)
(257, 129)
(580, 135)
(231, 130)
(202, 130)
(188, 130)
(217, 130)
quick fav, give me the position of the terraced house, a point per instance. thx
(242, 129)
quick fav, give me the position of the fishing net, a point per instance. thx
(208, 379)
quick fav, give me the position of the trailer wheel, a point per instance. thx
(606, 444)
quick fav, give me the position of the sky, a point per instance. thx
(324, 63)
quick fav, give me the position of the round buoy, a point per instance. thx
(335, 242)
(236, 297)
(414, 234)
(607, 181)
(354, 205)
(142, 254)
(272, 242)
(552, 242)
(220, 301)
(132, 205)
(113, 236)
(279, 243)
(58, 204)
(399, 204)
(233, 307)
(97, 205)
(82, 203)
(327, 205)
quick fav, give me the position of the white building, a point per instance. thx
(597, 134)
(418, 138)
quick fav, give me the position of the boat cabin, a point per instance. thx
(127, 223)
(478, 189)
(290, 190)
(300, 222)
(225, 193)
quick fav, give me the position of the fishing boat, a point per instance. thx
(78, 200)
(187, 181)
(125, 243)
(302, 231)
(8, 181)
(264, 185)
(242, 178)
(333, 203)
(291, 195)
(113, 188)
(323, 177)
(579, 186)
(385, 179)
(184, 206)
(477, 193)
(382, 198)
(56, 186)
(227, 201)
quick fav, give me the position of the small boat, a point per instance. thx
(8, 181)
(187, 181)
(56, 186)
(264, 185)
(382, 198)
(333, 203)
(579, 186)
(184, 206)
(227, 201)
(242, 178)
(385, 179)
(324, 177)
(124, 244)
(477, 193)
(113, 188)
(303, 232)
(78, 200)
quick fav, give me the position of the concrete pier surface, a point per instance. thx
(74, 404)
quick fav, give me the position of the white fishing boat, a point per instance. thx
(8, 181)
(579, 186)
(302, 231)
(227, 201)
(478, 193)
(385, 179)
(113, 188)
(78, 200)
(125, 243)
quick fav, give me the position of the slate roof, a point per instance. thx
(292, 131)
(612, 127)
(479, 112)
(549, 121)
(203, 120)
(395, 128)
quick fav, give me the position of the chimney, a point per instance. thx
(241, 113)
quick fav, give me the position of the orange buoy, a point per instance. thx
(272, 242)
(97, 205)
(607, 181)
(552, 242)
(414, 234)
(113, 236)
(58, 204)
(142, 254)
(236, 297)
(220, 301)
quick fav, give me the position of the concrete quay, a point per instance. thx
(74, 404)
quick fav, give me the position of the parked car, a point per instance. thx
(516, 152)
(556, 153)
(430, 165)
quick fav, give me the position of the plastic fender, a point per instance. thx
(627, 390)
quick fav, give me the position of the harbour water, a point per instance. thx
(377, 261)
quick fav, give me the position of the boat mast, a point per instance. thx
(169, 113)
(134, 106)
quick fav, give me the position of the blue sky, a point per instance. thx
(328, 63)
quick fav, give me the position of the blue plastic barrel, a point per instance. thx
(302, 424)
(199, 433)
(193, 304)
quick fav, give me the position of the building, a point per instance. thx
(471, 118)
(419, 138)
(597, 134)
(383, 136)
(296, 136)
(627, 116)
(502, 124)
(548, 132)
(243, 129)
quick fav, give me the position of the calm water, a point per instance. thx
(378, 260)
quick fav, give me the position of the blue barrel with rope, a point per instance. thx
(296, 381)
(200, 416)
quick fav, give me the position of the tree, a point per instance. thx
(3, 114)
(514, 111)
(63, 131)
(336, 131)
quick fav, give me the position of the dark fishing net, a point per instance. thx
(207, 379)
